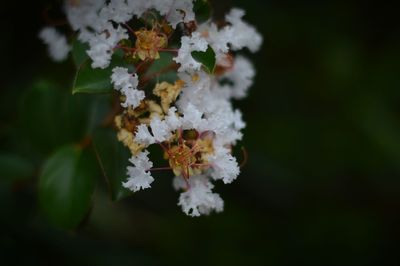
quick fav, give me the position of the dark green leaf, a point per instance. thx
(89, 80)
(113, 159)
(51, 117)
(207, 59)
(202, 9)
(79, 53)
(162, 69)
(98, 108)
(66, 186)
(14, 167)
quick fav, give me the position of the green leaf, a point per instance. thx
(158, 68)
(113, 158)
(14, 167)
(202, 9)
(88, 80)
(79, 53)
(51, 117)
(66, 186)
(94, 80)
(98, 107)
(207, 59)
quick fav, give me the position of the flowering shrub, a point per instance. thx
(175, 72)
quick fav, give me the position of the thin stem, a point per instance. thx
(180, 131)
(129, 29)
(160, 169)
(164, 148)
(172, 50)
(125, 48)
(103, 171)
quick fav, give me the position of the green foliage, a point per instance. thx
(161, 69)
(51, 117)
(79, 54)
(66, 185)
(113, 158)
(207, 59)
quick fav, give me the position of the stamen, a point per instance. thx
(129, 28)
(160, 169)
(165, 149)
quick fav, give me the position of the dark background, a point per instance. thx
(321, 186)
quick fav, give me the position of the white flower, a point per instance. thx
(139, 176)
(102, 45)
(117, 10)
(238, 122)
(160, 129)
(218, 39)
(121, 78)
(188, 45)
(127, 84)
(192, 118)
(56, 42)
(83, 14)
(177, 11)
(143, 135)
(241, 76)
(225, 166)
(198, 199)
(133, 97)
(204, 104)
(242, 34)
(160, 132)
(173, 121)
(174, 11)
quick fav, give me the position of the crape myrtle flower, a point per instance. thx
(192, 118)
(57, 43)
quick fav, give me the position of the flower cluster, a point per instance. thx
(191, 118)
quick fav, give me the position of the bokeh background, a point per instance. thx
(321, 186)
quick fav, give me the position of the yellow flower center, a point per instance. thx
(148, 42)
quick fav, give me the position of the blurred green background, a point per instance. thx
(321, 186)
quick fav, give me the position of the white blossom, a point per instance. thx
(203, 107)
(102, 45)
(117, 11)
(198, 199)
(173, 120)
(127, 84)
(192, 118)
(143, 135)
(241, 34)
(133, 97)
(57, 43)
(139, 176)
(241, 76)
(188, 45)
(225, 166)
(160, 129)
(177, 11)
(83, 14)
